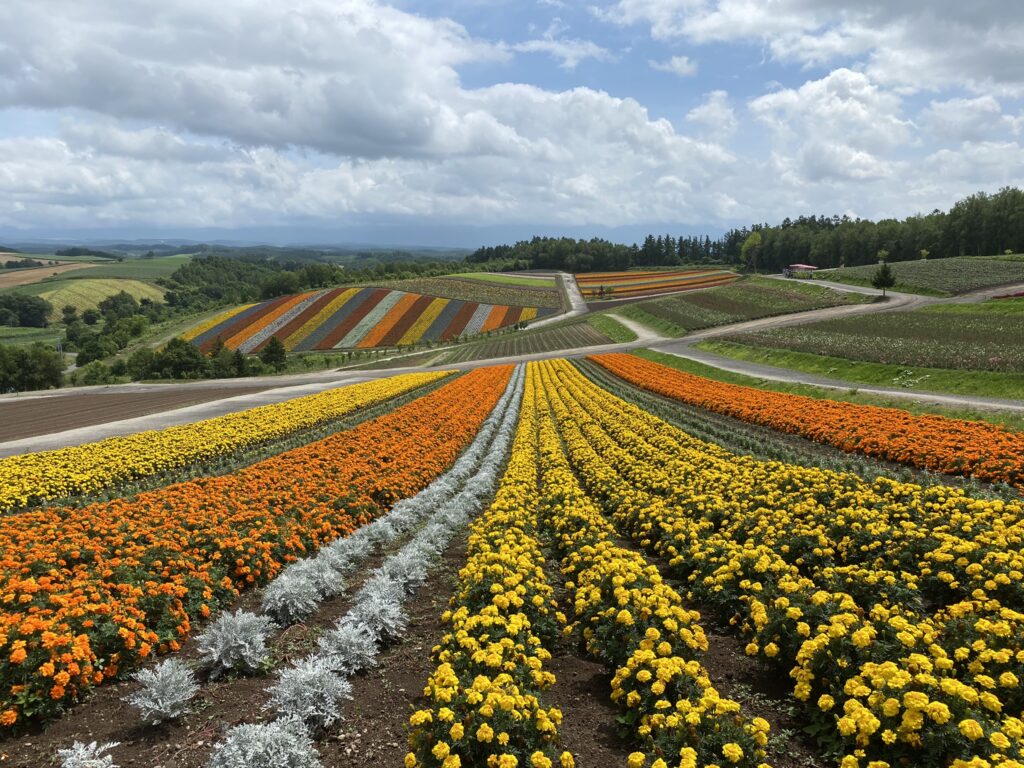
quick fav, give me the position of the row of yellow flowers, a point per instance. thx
(632, 620)
(895, 608)
(32, 478)
(484, 706)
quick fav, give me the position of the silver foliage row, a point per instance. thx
(307, 696)
(311, 692)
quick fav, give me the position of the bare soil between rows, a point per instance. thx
(38, 416)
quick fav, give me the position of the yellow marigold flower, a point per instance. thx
(733, 752)
(826, 702)
(999, 741)
(566, 760)
(636, 760)
(410, 760)
(971, 729)
(539, 760)
(440, 750)
(484, 733)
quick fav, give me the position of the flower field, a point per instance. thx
(621, 285)
(35, 477)
(355, 318)
(89, 592)
(949, 446)
(887, 615)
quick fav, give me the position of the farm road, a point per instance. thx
(239, 394)
(578, 305)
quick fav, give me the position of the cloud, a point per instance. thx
(967, 119)
(568, 51)
(715, 115)
(677, 65)
(912, 44)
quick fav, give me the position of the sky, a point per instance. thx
(469, 122)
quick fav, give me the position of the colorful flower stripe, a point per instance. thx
(89, 592)
(896, 609)
(214, 321)
(483, 706)
(630, 618)
(376, 334)
(620, 284)
(35, 477)
(355, 318)
(418, 328)
(287, 313)
(242, 337)
(950, 446)
(318, 319)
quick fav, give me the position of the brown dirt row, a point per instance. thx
(45, 415)
(10, 278)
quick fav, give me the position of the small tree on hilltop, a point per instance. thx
(274, 354)
(751, 249)
(883, 277)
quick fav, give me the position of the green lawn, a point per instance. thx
(611, 328)
(507, 279)
(960, 382)
(990, 307)
(1008, 419)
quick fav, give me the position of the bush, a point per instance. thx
(310, 691)
(166, 691)
(87, 755)
(284, 743)
(236, 641)
(349, 648)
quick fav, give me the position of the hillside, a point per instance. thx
(358, 317)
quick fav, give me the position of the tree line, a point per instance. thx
(979, 225)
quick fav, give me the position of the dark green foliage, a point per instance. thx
(883, 277)
(274, 354)
(23, 264)
(29, 311)
(28, 368)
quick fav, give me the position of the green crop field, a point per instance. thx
(484, 292)
(748, 299)
(25, 336)
(508, 279)
(85, 293)
(979, 337)
(567, 336)
(133, 269)
(938, 277)
(610, 327)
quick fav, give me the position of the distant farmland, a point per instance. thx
(355, 318)
(598, 286)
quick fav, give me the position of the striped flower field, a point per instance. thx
(355, 318)
(622, 285)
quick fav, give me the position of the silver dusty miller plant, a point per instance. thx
(284, 743)
(92, 755)
(291, 597)
(236, 641)
(166, 691)
(349, 648)
(312, 692)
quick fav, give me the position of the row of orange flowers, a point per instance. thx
(950, 446)
(89, 592)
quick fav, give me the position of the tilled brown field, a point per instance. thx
(45, 415)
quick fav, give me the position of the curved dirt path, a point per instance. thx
(577, 306)
(296, 385)
(644, 335)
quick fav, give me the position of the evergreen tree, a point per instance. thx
(883, 277)
(274, 354)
